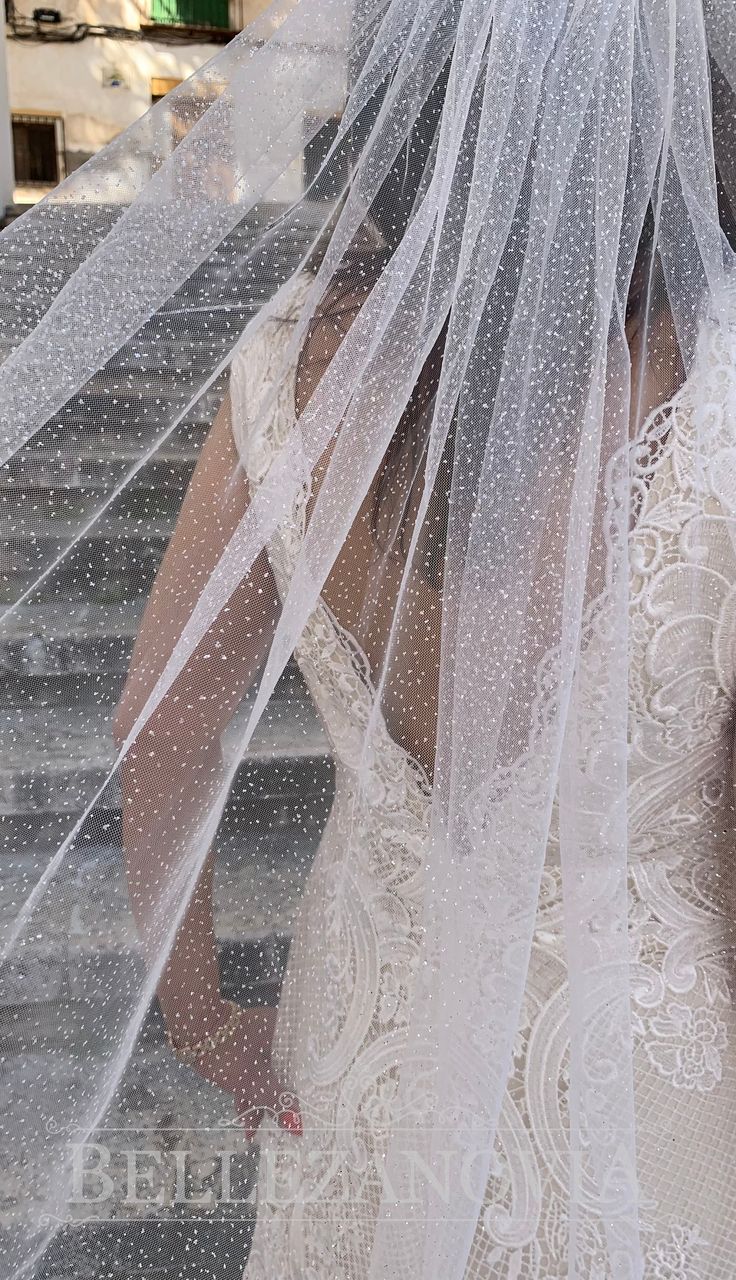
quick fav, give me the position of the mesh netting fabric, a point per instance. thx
(369, 644)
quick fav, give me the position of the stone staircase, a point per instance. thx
(63, 657)
(11, 212)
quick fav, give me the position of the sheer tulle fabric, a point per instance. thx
(438, 665)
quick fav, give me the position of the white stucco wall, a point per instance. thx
(6, 146)
(67, 79)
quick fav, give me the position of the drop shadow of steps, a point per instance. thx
(151, 1250)
(183, 1246)
(188, 1243)
(251, 973)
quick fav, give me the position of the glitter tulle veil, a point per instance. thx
(337, 398)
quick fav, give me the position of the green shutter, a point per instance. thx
(191, 13)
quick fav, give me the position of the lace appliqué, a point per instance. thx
(683, 635)
(365, 888)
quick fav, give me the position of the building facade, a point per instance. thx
(81, 71)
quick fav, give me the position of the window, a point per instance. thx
(186, 107)
(160, 86)
(38, 150)
(191, 13)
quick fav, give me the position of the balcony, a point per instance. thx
(213, 21)
(191, 13)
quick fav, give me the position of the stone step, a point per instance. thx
(65, 640)
(77, 750)
(149, 350)
(46, 647)
(62, 662)
(50, 1000)
(102, 462)
(59, 988)
(159, 1106)
(156, 1249)
(40, 511)
(102, 423)
(78, 439)
(168, 469)
(104, 415)
(116, 559)
(179, 339)
(89, 944)
(116, 390)
(100, 573)
(274, 796)
(58, 524)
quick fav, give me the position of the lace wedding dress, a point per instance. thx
(355, 950)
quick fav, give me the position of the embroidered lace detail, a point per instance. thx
(683, 631)
(360, 923)
(677, 1256)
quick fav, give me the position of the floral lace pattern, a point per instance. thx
(353, 959)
